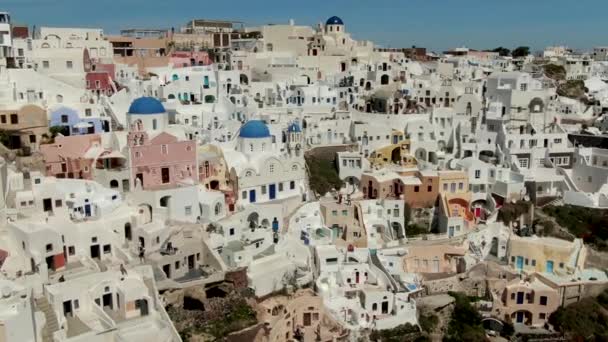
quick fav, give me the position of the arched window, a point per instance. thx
(175, 77)
(294, 167)
(271, 168)
(248, 174)
(218, 208)
(154, 124)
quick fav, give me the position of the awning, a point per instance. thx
(113, 155)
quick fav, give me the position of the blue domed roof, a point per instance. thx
(294, 128)
(254, 129)
(334, 21)
(146, 105)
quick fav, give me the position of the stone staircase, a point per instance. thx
(51, 324)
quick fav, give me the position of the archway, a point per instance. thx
(164, 201)
(384, 79)
(253, 220)
(421, 154)
(113, 184)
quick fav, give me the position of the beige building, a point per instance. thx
(24, 128)
(546, 254)
(301, 316)
(526, 301)
(434, 259)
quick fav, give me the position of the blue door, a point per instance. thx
(252, 196)
(272, 191)
(520, 263)
(87, 210)
(275, 225)
(549, 266)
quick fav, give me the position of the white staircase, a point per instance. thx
(51, 324)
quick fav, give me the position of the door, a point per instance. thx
(272, 191)
(47, 204)
(357, 277)
(142, 305)
(252, 196)
(275, 225)
(50, 262)
(450, 231)
(307, 319)
(549, 266)
(477, 212)
(87, 210)
(384, 307)
(95, 252)
(520, 317)
(167, 270)
(67, 308)
(107, 301)
(520, 263)
(128, 233)
(190, 262)
(165, 175)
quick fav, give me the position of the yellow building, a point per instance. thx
(397, 153)
(546, 254)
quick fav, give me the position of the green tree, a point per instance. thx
(521, 51)
(465, 324)
(502, 51)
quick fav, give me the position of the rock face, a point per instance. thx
(199, 312)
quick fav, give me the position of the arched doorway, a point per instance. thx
(384, 79)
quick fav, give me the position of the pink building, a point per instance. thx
(182, 59)
(71, 156)
(161, 161)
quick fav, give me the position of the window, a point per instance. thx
(231, 231)
(543, 300)
(107, 249)
(416, 189)
(523, 163)
(344, 212)
(460, 186)
(477, 174)
(244, 195)
(542, 316)
(445, 187)
(188, 210)
(45, 64)
(263, 189)
(69, 64)
(71, 250)
(334, 213)
(271, 168)
(280, 186)
(177, 265)
(3, 119)
(429, 188)
(164, 149)
(49, 247)
(533, 262)
(557, 141)
(292, 185)
(14, 119)
(58, 203)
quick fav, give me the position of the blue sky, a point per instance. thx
(436, 24)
